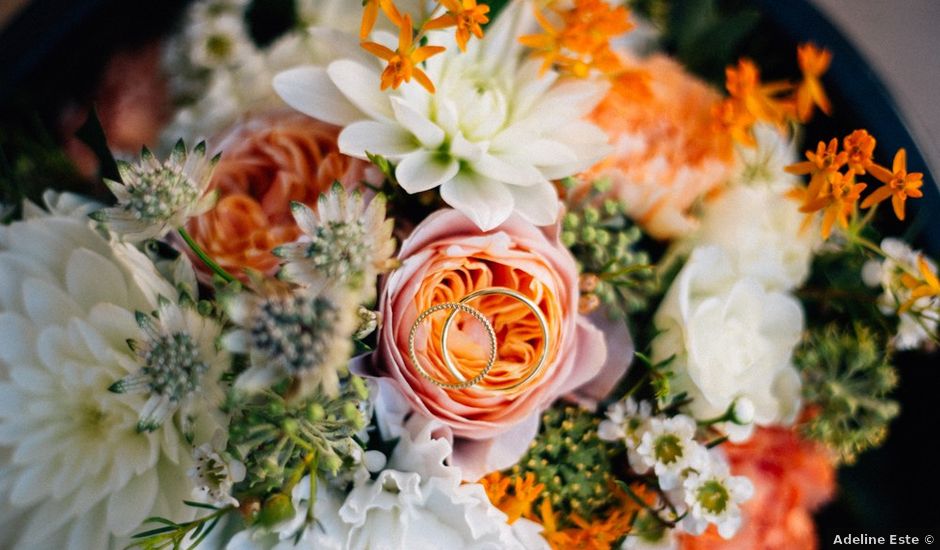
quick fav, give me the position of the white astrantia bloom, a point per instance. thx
(344, 243)
(715, 496)
(492, 136)
(214, 473)
(73, 465)
(158, 197)
(668, 446)
(913, 329)
(731, 339)
(291, 332)
(416, 503)
(180, 365)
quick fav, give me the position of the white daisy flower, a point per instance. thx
(626, 421)
(715, 496)
(668, 446)
(73, 465)
(213, 474)
(344, 242)
(291, 332)
(156, 197)
(492, 136)
(218, 39)
(180, 365)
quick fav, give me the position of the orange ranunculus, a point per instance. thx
(792, 478)
(267, 162)
(666, 152)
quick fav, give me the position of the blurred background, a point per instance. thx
(58, 58)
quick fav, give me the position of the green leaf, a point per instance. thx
(92, 134)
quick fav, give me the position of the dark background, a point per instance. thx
(54, 51)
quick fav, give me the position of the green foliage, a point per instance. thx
(847, 378)
(165, 534)
(280, 441)
(572, 461)
(605, 244)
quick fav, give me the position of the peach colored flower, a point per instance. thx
(267, 162)
(667, 153)
(446, 258)
(792, 478)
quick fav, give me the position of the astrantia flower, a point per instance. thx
(291, 332)
(345, 242)
(715, 496)
(669, 447)
(491, 137)
(214, 474)
(71, 457)
(156, 198)
(179, 365)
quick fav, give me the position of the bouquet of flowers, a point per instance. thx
(454, 274)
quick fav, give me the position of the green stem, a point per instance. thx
(210, 263)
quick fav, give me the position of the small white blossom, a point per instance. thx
(344, 242)
(216, 36)
(668, 446)
(180, 365)
(156, 198)
(714, 496)
(626, 420)
(292, 332)
(214, 475)
(916, 324)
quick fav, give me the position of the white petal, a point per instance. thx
(47, 304)
(93, 279)
(537, 204)
(423, 170)
(507, 170)
(486, 202)
(379, 138)
(128, 507)
(362, 86)
(310, 91)
(429, 134)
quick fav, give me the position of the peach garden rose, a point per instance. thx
(448, 257)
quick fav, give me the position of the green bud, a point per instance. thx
(316, 412)
(603, 237)
(331, 463)
(568, 238)
(591, 215)
(359, 387)
(277, 508)
(290, 426)
(588, 234)
(570, 221)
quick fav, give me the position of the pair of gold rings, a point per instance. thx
(462, 306)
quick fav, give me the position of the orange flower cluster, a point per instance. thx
(923, 285)
(837, 193)
(780, 102)
(466, 16)
(516, 495)
(576, 39)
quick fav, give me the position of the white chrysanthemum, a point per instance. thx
(715, 496)
(668, 446)
(213, 474)
(180, 366)
(914, 329)
(416, 503)
(72, 461)
(344, 243)
(292, 332)
(491, 137)
(158, 197)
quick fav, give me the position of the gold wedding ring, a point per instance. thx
(456, 307)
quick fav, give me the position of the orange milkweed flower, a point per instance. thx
(513, 495)
(859, 147)
(466, 15)
(759, 99)
(370, 14)
(898, 184)
(838, 201)
(927, 286)
(402, 63)
(821, 165)
(814, 62)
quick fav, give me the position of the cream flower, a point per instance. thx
(345, 243)
(761, 232)
(492, 137)
(214, 474)
(158, 197)
(71, 458)
(668, 446)
(715, 496)
(731, 338)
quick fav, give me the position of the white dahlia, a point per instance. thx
(492, 136)
(72, 463)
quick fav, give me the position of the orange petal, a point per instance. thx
(876, 197)
(425, 52)
(900, 161)
(369, 15)
(897, 201)
(378, 50)
(423, 80)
